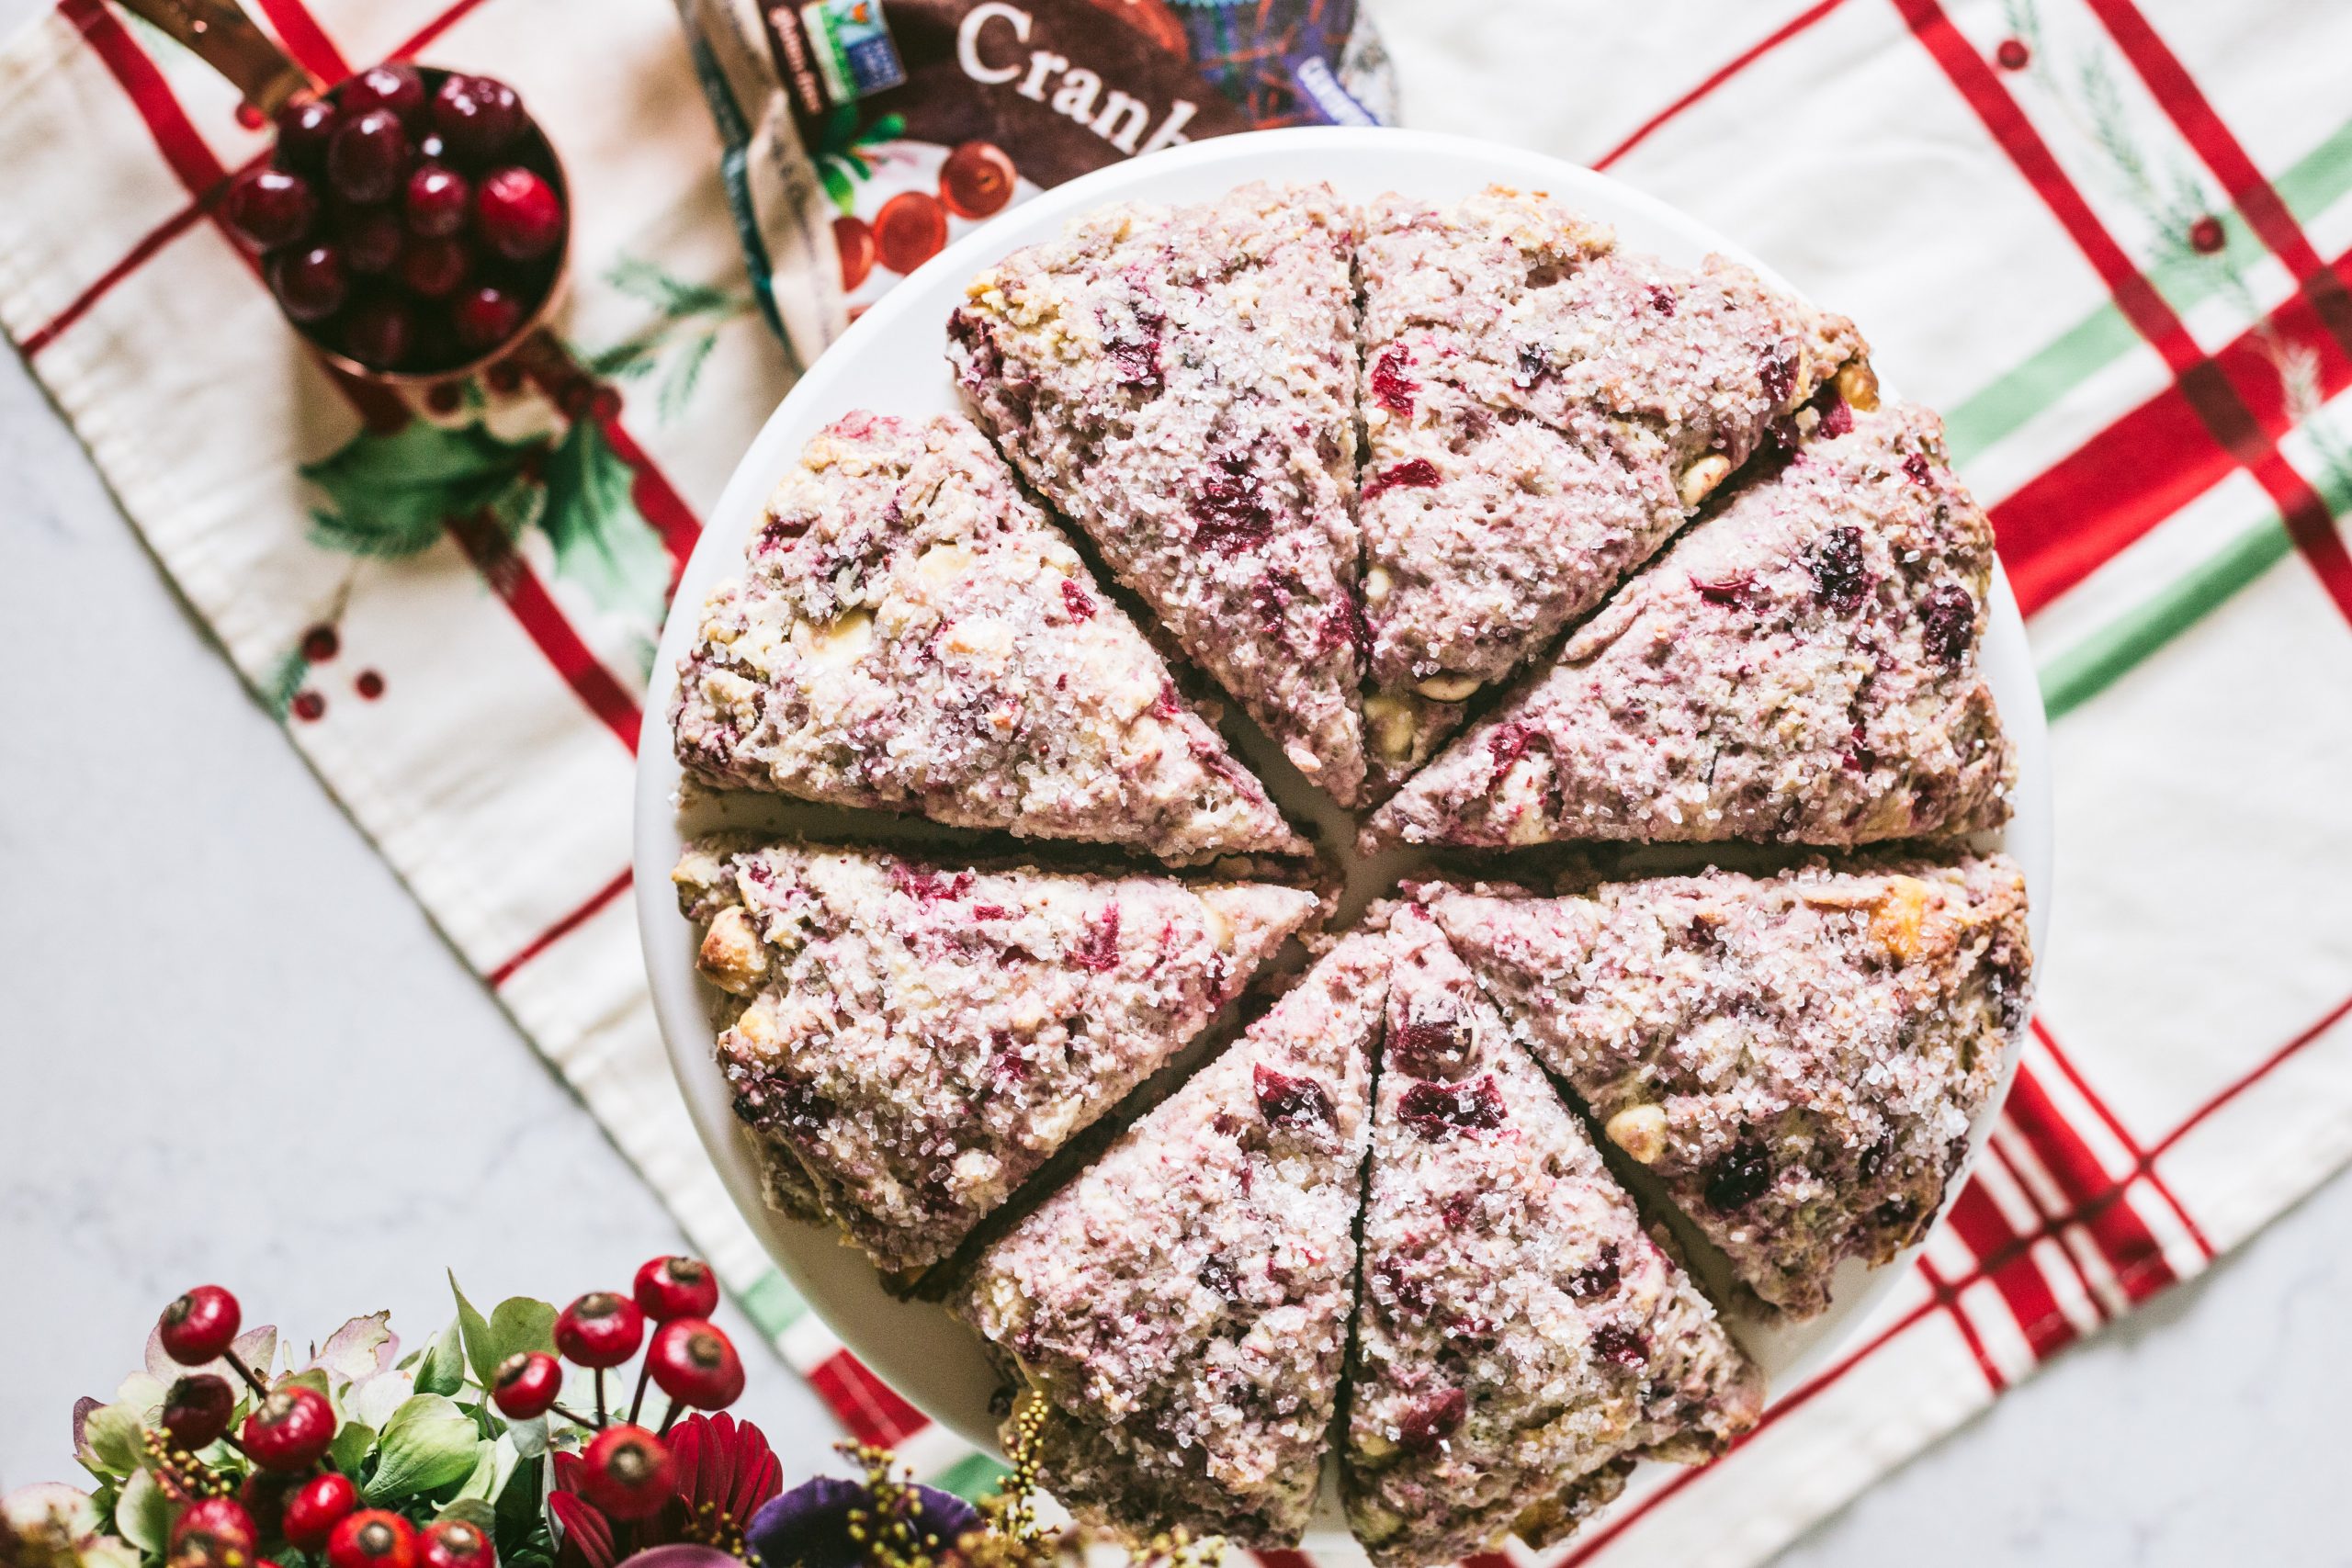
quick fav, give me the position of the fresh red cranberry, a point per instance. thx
(308, 706)
(2207, 236)
(1948, 620)
(626, 1473)
(483, 318)
(309, 282)
(1840, 576)
(289, 1429)
(694, 1363)
(1286, 1101)
(1438, 1112)
(453, 1544)
(200, 1325)
(304, 126)
(518, 214)
(320, 643)
(669, 1288)
(213, 1532)
(198, 1410)
(977, 180)
(372, 1538)
(438, 200)
(854, 242)
(477, 116)
(2012, 54)
(367, 157)
(908, 230)
(1431, 1422)
(397, 89)
(600, 1329)
(1415, 473)
(1739, 1175)
(316, 1507)
(269, 207)
(380, 332)
(434, 268)
(1391, 387)
(370, 239)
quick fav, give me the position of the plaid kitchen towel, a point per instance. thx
(2111, 239)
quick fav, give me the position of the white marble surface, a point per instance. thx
(232, 1048)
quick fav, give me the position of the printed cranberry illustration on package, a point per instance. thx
(862, 136)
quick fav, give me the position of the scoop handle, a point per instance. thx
(224, 37)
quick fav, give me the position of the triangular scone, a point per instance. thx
(1801, 666)
(919, 1038)
(1542, 409)
(1519, 1330)
(910, 634)
(1181, 1306)
(1181, 382)
(1797, 1059)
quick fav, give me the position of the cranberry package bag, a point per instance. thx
(861, 136)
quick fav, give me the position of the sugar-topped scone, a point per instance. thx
(1521, 1336)
(1798, 1059)
(1179, 382)
(910, 1040)
(1543, 408)
(1801, 666)
(1181, 1306)
(910, 634)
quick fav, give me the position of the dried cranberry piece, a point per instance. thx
(930, 887)
(1837, 419)
(1507, 744)
(1345, 626)
(1076, 600)
(783, 1104)
(1098, 949)
(1534, 364)
(1916, 467)
(1437, 1112)
(1410, 1294)
(1456, 1210)
(1286, 1101)
(1431, 1045)
(1873, 1159)
(1417, 473)
(1840, 576)
(1625, 1346)
(1228, 512)
(1433, 1421)
(1778, 375)
(1165, 706)
(1661, 299)
(1740, 1175)
(1390, 387)
(1134, 361)
(1597, 1277)
(1218, 1276)
(1948, 620)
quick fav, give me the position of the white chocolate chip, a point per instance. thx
(1700, 480)
(1448, 688)
(1640, 1131)
(731, 955)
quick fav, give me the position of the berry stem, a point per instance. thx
(644, 1375)
(246, 1373)
(669, 1418)
(600, 1399)
(575, 1417)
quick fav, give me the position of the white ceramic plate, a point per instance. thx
(891, 361)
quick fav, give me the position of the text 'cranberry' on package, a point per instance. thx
(861, 135)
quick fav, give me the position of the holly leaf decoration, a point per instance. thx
(602, 542)
(427, 1444)
(390, 491)
(443, 1370)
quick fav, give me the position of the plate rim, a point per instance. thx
(680, 1000)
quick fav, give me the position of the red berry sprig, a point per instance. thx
(695, 1364)
(453, 1544)
(627, 1473)
(316, 1507)
(213, 1532)
(290, 1430)
(372, 1538)
(198, 1411)
(669, 1288)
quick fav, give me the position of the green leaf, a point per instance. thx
(352, 1441)
(476, 1329)
(602, 542)
(522, 1513)
(475, 1512)
(390, 491)
(443, 1370)
(351, 1352)
(890, 128)
(114, 1439)
(519, 1324)
(678, 386)
(837, 186)
(427, 1444)
(142, 1515)
(495, 1464)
